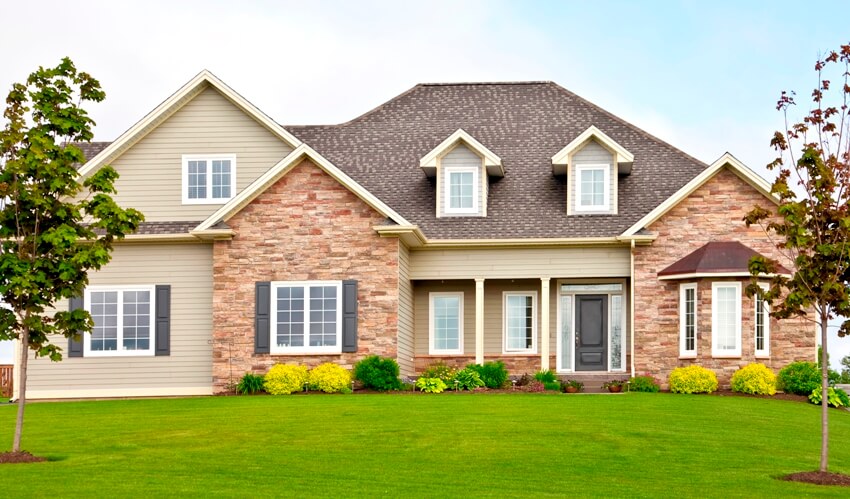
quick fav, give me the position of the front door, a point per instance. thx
(591, 332)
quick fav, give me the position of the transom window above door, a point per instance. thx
(208, 179)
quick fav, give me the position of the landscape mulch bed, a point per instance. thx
(819, 478)
(19, 457)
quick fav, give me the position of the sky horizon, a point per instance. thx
(704, 77)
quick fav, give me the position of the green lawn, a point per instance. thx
(423, 446)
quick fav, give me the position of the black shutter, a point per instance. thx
(163, 320)
(75, 344)
(349, 316)
(262, 317)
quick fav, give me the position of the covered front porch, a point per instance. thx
(567, 324)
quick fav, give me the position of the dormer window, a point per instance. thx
(593, 187)
(462, 167)
(461, 191)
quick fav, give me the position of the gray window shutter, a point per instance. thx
(163, 320)
(262, 317)
(349, 316)
(75, 346)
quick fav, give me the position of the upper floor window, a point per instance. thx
(593, 187)
(208, 179)
(461, 189)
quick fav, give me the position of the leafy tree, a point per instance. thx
(845, 369)
(54, 226)
(813, 226)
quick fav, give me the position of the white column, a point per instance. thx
(479, 321)
(544, 323)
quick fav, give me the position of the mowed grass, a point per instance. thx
(497, 445)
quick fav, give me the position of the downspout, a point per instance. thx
(632, 305)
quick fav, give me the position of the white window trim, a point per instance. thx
(208, 157)
(765, 352)
(683, 352)
(88, 352)
(306, 349)
(505, 295)
(476, 189)
(714, 337)
(606, 187)
(431, 349)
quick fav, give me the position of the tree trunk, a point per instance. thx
(22, 389)
(824, 363)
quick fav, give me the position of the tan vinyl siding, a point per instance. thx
(593, 153)
(152, 172)
(188, 370)
(405, 312)
(462, 156)
(520, 263)
(422, 314)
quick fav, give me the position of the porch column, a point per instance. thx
(479, 321)
(544, 323)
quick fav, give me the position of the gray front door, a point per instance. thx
(591, 332)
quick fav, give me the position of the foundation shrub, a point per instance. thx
(692, 379)
(554, 386)
(250, 383)
(545, 376)
(836, 397)
(755, 379)
(430, 385)
(493, 374)
(799, 378)
(442, 371)
(534, 387)
(467, 379)
(378, 373)
(283, 379)
(329, 378)
(644, 383)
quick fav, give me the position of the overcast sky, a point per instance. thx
(704, 76)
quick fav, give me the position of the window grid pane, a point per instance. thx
(519, 311)
(136, 320)
(446, 323)
(727, 319)
(760, 318)
(690, 320)
(323, 306)
(104, 312)
(461, 189)
(197, 179)
(221, 179)
(290, 317)
(592, 187)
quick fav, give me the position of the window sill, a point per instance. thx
(448, 354)
(732, 356)
(305, 352)
(688, 357)
(524, 353)
(763, 356)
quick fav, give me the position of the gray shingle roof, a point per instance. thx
(91, 149)
(525, 124)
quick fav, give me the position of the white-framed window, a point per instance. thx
(688, 320)
(726, 319)
(123, 321)
(445, 324)
(762, 324)
(208, 178)
(519, 321)
(307, 317)
(461, 189)
(593, 187)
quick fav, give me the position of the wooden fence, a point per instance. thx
(6, 380)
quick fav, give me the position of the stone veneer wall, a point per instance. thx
(714, 212)
(305, 227)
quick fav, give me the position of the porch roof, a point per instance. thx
(715, 259)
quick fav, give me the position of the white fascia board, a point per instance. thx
(727, 160)
(283, 167)
(492, 161)
(562, 157)
(175, 102)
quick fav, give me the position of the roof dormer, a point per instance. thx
(461, 166)
(623, 158)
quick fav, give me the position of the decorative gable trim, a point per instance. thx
(725, 161)
(492, 162)
(171, 105)
(279, 170)
(561, 161)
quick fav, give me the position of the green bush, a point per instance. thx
(755, 379)
(442, 371)
(250, 383)
(644, 384)
(283, 379)
(378, 373)
(692, 379)
(329, 378)
(799, 378)
(467, 379)
(545, 376)
(552, 385)
(836, 397)
(493, 374)
(430, 385)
